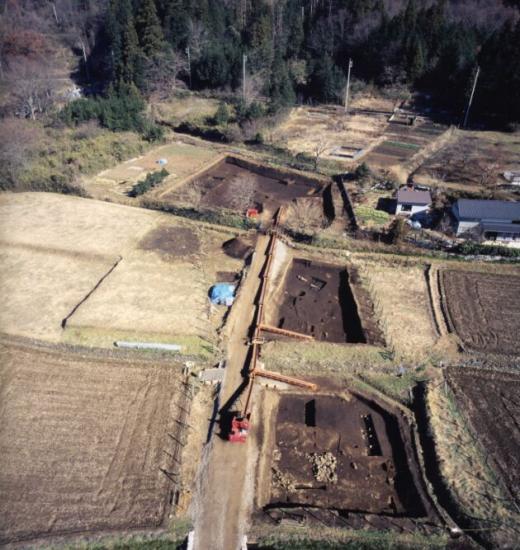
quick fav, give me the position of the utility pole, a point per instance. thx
(189, 63)
(244, 59)
(471, 97)
(350, 65)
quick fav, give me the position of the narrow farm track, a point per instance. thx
(221, 503)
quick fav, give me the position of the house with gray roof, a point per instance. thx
(410, 201)
(490, 219)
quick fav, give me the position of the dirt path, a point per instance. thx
(221, 503)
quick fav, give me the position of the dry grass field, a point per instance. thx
(400, 296)
(56, 250)
(183, 159)
(84, 442)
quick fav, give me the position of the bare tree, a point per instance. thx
(32, 87)
(162, 72)
(305, 214)
(318, 150)
(240, 193)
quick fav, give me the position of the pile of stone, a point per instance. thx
(324, 467)
(283, 481)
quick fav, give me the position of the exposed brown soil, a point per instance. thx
(317, 300)
(271, 187)
(341, 454)
(84, 442)
(482, 308)
(237, 248)
(171, 241)
(491, 401)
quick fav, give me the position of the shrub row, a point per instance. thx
(470, 248)
(152, 179)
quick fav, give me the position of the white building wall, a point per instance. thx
(415, 209)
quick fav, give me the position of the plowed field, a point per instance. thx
(491, 400)
(484, 310)
(84, 443)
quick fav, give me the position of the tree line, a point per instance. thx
(299, 49)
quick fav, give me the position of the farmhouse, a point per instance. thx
(410, 201)
(493, 220)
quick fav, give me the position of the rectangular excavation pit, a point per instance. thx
(317, 300)
(331, 463)
(237, 184)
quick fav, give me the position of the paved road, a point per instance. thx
(223, 494)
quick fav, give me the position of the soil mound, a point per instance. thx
(237, 248)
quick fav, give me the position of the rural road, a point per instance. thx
(223, 495)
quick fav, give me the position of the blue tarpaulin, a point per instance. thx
(222, 294)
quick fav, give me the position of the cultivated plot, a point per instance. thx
(483, 309)
(85, 444)
(491, 401)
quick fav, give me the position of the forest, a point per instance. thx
(296, 50)
(120, 53)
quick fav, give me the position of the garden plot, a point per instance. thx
(401, 142)
(328, 129)
(182, 159)
(343, 453)
(472, 161)
(482, 309)
(76, 269)
(87, 443)
(237, 184)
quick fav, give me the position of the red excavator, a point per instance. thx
(240, 420)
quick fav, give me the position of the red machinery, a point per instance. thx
(239, 429)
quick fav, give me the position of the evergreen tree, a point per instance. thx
(416, 59)
(281, 89)
(148, 28)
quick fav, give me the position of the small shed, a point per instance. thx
(410, 201)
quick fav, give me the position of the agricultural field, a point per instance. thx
(84, 271)
(182, 160)
(482, 309)
(473, 162)
(328, 130)
(95, 446)
(494, 415)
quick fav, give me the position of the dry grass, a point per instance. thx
(400, 296)
(55, 249)
(464, 468)
(189, 108)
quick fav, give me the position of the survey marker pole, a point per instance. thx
(189, 63)
(350, 65)
(244, 59)
(471, 97)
